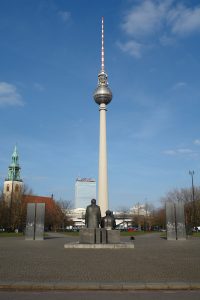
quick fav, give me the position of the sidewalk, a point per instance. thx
(154, 263)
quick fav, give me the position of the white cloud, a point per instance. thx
(65, 15)
(141, 20)
(197, 142)
(180, 151)
(170, 152)
(184, 20)
(132, 47)
(146, 18)
(166, 40)
(185, 151)
(9, 95)
(164, 21)
(179, 85)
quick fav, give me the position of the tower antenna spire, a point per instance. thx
(102, 45)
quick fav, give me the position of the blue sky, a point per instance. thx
(49, 62)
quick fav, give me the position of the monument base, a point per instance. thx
(113, 236)
(87, 236)
(99, 236)
(99, 246)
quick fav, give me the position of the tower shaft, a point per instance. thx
(103, 175)
(102, 96)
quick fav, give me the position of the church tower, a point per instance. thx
(13, 185)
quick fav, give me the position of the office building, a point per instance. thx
(85, 190)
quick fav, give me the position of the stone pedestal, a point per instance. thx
(103, 236)
(87, 236)
(99, 246)
(99, 238)
(98, 235)
(113, 236)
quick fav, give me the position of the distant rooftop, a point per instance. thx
(85, 179)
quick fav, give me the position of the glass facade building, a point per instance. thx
(85, 190)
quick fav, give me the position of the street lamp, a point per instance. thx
(191, 173)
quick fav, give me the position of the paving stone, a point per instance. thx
(153, 260)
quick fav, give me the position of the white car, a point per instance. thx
(196, 228)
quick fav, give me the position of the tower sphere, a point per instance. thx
(102, 94)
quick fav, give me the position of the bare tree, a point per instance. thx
(66, 206)
(13, 216)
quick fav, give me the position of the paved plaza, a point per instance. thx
(153, 263)
(99, 295)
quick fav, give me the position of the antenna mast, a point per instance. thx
(102, 46)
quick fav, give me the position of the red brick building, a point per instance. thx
(53, 213)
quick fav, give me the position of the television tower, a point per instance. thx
(102, 96)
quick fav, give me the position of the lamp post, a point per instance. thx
(191, 173)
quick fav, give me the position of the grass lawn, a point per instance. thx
(10, 234)
(196, 234)
(134, 233)
(122, 233)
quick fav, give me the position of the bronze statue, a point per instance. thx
(108, 222)
(92, 215)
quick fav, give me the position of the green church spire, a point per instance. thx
(14, 168)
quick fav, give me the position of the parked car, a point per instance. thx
(130, 229)
(196, 229)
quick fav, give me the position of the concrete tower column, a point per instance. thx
(102, 96)
(103, 176)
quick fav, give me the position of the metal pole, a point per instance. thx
(191, 173)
